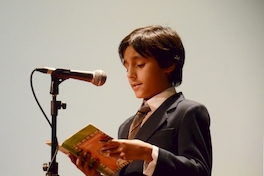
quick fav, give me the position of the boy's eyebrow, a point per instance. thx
(136, 57)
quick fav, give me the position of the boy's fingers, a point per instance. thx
(73, 158)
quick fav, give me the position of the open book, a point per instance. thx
(90, 139)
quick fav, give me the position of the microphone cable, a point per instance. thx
(35, 97)
(32, 89)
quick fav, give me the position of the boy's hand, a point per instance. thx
(83, 163)
(128, 149)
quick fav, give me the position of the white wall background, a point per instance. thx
(224, 44)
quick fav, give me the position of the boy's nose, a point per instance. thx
(131, 73)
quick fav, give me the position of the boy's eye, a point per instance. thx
(140, 65)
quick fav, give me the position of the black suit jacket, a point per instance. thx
(180, 128)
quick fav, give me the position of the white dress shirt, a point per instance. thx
(154, 104)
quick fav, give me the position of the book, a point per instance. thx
(90, 139)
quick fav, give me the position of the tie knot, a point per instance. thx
(144, 109)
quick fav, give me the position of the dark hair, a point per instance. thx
(162, 43)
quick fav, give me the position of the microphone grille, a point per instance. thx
(99, 77)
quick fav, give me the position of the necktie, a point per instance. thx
(135, 126)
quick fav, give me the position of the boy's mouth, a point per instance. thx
(136, 86)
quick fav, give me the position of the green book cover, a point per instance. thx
(90, 139)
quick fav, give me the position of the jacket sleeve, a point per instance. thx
(193, 140)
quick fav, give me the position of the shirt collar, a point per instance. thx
(158, 99)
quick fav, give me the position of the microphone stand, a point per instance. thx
(55, 106)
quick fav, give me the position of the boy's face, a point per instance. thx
(144, 74)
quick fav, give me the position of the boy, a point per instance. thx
(174, 136)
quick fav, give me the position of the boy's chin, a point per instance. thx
(138, 95)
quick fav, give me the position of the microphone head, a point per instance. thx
(99, 77)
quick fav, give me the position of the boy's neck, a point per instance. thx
(170, 90)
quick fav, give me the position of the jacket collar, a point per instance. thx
(158, 117)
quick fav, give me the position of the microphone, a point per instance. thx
(97, 77)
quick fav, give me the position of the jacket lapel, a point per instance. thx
(158, 117)
(125, 128)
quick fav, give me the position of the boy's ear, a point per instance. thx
(170, 68)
